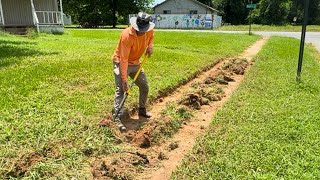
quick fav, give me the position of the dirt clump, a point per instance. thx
(162, 156)
(24, 164)
(209, 80)
(237, 65)
(142, 139)
(228, 78)
(107, 122)
(202, 95)
(192, 100)
(120, 166)
(173, 146)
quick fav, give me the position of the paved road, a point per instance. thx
(311, 37)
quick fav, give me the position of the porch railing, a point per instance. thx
(49, 17)
(1, 21)
(1, 14)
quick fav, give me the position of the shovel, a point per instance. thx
(125, 95)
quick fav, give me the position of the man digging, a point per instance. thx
(133, 43)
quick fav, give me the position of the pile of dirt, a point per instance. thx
(219, 77)
(142, 138)
(237, 65)
(193, 100)
(202, 95)
(119, 166)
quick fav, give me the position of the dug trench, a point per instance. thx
(154, 147)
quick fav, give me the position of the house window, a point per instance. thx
(166, 11)
(193, 12)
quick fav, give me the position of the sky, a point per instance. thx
(157, 2)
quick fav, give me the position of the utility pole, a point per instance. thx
(303, 36)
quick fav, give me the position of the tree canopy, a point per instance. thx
(268, 12)
(94, 13)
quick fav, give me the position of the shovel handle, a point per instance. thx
(138, 72)
(140, 68)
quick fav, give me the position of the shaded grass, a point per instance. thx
(257, 27)
(270, 127)
(55, 89)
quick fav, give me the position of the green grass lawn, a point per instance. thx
(257, 27)
(270, 127)
(56, 88)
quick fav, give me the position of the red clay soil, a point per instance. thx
(22, 166)
(25, 162)
(157, 160)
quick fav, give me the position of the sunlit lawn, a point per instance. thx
(270, 127)
(54, 89)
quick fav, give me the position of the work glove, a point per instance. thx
(124, 85)
(149, 51)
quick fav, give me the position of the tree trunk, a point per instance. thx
(114, 17)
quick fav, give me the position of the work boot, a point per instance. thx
(143, 113)
(119, 124)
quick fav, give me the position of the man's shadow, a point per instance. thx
(133, 122)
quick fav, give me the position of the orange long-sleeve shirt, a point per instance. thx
(130, 48)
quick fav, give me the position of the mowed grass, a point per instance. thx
(269, 129)
(55, 89)
(257, 27)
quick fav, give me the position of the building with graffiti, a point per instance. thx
(185, 21)
(180, 21)
(185, 14)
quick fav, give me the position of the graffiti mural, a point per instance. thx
(217, 20)
(183, 21)
(192, 21)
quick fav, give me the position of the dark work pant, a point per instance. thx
(141, 82)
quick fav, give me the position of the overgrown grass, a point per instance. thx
(56, 88)
(270, 127)
(256, 27)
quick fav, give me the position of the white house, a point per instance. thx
(44, 15)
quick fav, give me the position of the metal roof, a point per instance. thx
(204, 5)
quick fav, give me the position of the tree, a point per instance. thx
(232, 11)
(94, 13)
(314, 12)
(206, 2)
(274, 11)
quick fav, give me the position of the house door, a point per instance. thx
(17, 13)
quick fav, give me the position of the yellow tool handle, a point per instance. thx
(138, 72)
